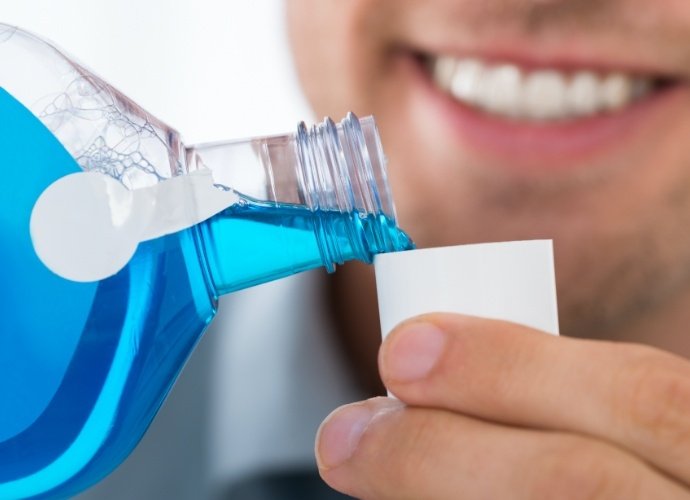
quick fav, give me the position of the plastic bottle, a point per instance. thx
(84, 366)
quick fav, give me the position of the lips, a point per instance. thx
(545, 117)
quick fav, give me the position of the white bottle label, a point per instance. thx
(87, 226)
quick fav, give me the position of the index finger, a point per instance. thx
(633, 396)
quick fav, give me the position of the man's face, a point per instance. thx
(521, 119)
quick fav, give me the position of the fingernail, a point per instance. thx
(413, 352)
(340, 433)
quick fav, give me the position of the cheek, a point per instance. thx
(652, 180)
(426, 182)
(339, 51)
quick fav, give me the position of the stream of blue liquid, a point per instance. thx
(85, 366)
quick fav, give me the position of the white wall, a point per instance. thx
(213, 69)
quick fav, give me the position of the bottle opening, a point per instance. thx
(344, 167)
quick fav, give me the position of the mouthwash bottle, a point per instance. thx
(85, 365)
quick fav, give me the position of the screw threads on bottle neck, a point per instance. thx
(341, 169)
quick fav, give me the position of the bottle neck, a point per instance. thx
(316, 198)
(342, 170)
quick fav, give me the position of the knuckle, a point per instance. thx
(657, 401)
(404, 451)
(579, 470)
(425, 432)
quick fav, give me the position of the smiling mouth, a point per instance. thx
(539, 95)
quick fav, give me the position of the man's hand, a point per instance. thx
(490, 409)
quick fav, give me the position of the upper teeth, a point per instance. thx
(544, 94)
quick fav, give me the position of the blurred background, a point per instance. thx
(210, 68)
(213, 70)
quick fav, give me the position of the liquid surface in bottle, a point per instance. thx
(268, 241)
(85, 366)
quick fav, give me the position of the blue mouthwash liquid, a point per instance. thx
(85, 366)
(268, 241)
